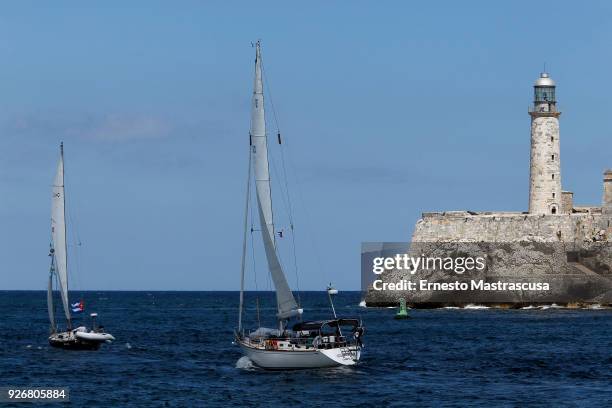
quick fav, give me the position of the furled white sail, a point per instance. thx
(58, 234)
(287, 305)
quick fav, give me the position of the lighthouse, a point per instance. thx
(545, 194)
(607, 195)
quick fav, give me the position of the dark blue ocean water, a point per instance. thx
(175, 349)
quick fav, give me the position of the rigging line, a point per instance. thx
(76, 259)
(286, 202)
(265, 77)
(283, 193)
(255, 279)
(255, 272)
(252, 242)
(291, 221)
(253, 198)
(287, 207)
(78, 252)
(57, 285)
(276, 123)
(244, 244)
(306, 213)
(285, 178)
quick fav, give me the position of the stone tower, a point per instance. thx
(607, 194)
(545, 168)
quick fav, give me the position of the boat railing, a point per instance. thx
(319, 342)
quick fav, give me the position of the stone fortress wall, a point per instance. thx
(467, 226)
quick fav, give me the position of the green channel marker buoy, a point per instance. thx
(403, 312)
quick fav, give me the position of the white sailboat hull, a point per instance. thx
(79, 339)
(287, 360)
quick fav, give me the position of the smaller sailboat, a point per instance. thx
(79, 338)
(306, 344)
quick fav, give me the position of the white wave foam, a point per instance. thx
(451, 307)
(362, 303)
(128, 346)
(553, 306)
(530, 307)
(245, 363)
(475, 307)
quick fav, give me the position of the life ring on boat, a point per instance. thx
(271, 344)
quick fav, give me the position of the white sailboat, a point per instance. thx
(315, 344)
(79, 338)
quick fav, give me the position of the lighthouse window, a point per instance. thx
(552, 138)
(553, 157)
(553, 176)
(554, 210)
(544, 94)
(554, 195)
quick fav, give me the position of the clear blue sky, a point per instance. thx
(387, 111)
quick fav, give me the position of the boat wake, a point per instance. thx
(245, 363)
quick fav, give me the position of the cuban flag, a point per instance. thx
(78, 307)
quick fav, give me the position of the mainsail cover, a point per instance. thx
(287, 305)
(58, 234)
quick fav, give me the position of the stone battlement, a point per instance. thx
(469, 226)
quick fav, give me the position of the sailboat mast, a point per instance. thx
(259, 141)
(286, 304)
(58, 235)
(244, 242)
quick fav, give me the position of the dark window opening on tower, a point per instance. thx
(554, 195)
(552, 138)
(553, 176)
(554, 210)
(544, 94)
(553, 157)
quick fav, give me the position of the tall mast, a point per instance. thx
(259, 143)
(58, 232)
(286, 304)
